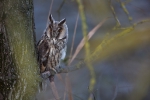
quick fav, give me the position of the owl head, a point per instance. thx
(56, 29)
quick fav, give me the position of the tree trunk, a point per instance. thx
(18, 64)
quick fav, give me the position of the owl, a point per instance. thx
(52, 46)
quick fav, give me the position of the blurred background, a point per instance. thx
(120, 47)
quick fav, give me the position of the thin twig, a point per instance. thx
(117, 20)
(71, 55)
(50, 9)
(74, 36)
(59, 9)
(125, 10)
(71, 52)
(54, 90)
(67, 88)
(61, 5)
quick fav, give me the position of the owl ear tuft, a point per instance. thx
(62, 22)
(51, 19)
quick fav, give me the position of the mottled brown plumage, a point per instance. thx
(52, 46)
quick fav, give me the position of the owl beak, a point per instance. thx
(62, 22)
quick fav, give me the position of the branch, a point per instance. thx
(116, 18)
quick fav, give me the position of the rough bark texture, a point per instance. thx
(18, 64)
(7, 68)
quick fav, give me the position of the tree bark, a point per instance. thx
(18, 63)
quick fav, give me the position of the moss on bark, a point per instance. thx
(16, 17)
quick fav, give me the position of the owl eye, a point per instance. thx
(59, 29)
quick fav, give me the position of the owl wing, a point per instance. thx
(43, 53)
(61, 46)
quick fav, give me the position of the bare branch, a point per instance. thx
(49, 11)
(60, 7)
(74, 36)
(54, 90)
(125, 10)
(116, 18)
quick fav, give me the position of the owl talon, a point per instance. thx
(45, 74)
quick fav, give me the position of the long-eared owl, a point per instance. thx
(52, 46)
